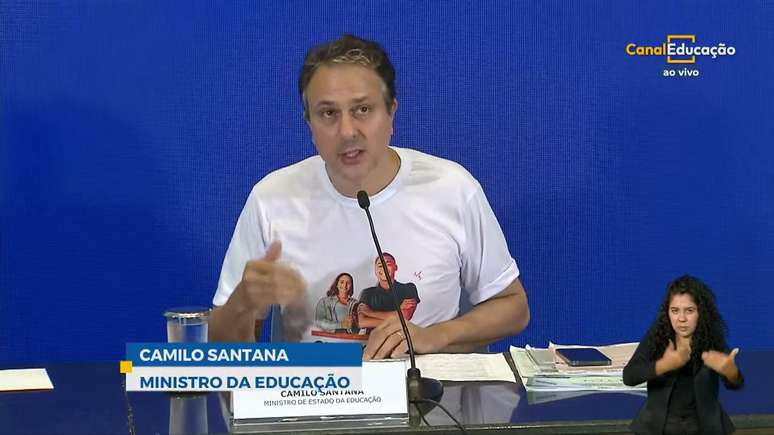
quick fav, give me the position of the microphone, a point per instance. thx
(419, 389)
(365, 202)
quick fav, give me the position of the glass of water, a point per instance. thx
(187, 324)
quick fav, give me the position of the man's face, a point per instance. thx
(391, 267)
(683, 315)
(351, 126)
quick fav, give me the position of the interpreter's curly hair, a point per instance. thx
(710, 328)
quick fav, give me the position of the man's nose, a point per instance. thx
(347, 128)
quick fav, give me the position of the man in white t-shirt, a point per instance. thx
(301, 226)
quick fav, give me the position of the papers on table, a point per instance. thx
(545, 376)
(465, 367)
(541, 370)
(25, 379)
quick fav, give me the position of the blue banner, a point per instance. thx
(245, 354)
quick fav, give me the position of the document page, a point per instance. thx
(24, 379)
(466, 367)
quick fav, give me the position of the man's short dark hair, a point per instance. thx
(386, 256)
(348, 50)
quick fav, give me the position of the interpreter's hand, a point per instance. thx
(724, 364)
(387, 340)
(676, 356)
(346, 323)
(267, 281)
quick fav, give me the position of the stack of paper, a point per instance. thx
(465, 367)
(541, 370)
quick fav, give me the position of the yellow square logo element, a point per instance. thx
(125, 367)
(691, 38)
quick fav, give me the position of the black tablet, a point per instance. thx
(587, 356)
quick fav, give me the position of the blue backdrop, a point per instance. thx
(132, 132)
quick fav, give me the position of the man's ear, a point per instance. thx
(394, 107)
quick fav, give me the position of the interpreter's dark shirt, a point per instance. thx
(682, 402)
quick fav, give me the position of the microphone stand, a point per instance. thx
(418, 388)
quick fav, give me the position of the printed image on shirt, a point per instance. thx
(335, 312)
(338, 315)
(377, 304)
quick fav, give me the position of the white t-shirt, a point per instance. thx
(433, 218)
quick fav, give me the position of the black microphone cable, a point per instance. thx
(443, 408)
(416, 385)
(364, 202)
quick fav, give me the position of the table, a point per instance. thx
(89, 398)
